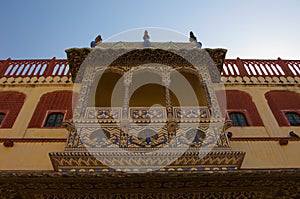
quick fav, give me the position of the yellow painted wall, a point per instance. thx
(268, 154)
(28, 156)
(33, 94)
(259, 154)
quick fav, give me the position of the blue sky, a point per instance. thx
(262, 29)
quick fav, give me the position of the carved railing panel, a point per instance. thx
(147, 128)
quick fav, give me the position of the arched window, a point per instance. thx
(241, 102)
(11, 103)
(2, 115)
(238, 119)
(293, 118)
(282, 104)
(54, 120)
(55, 102)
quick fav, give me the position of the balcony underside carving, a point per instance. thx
(234, 184)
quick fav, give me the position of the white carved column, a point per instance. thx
(171, 123)
(125, 120)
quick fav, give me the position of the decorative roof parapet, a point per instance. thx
(261, 68)
(234, 71)
(34, 71)
(34, 68)
(253, 71)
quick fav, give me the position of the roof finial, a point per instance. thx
(193, 39)
(146, 38)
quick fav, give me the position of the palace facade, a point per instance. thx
(66, 133)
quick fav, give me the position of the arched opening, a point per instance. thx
(105, 89)
(188, 89)
(148, 90)
(149, 95)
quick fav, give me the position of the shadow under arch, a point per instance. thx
(139, 57)
(104, 88)
(147, 89)
(195, 81)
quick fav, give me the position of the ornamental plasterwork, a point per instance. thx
(206, 184)
(109, 135)
(36, 80)
(90, 72)
(98, 132)
(261, 80)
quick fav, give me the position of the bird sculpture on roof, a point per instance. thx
(97, 41)
(193, 39)
(146, 39)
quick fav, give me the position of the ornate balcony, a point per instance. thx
(138, 135)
